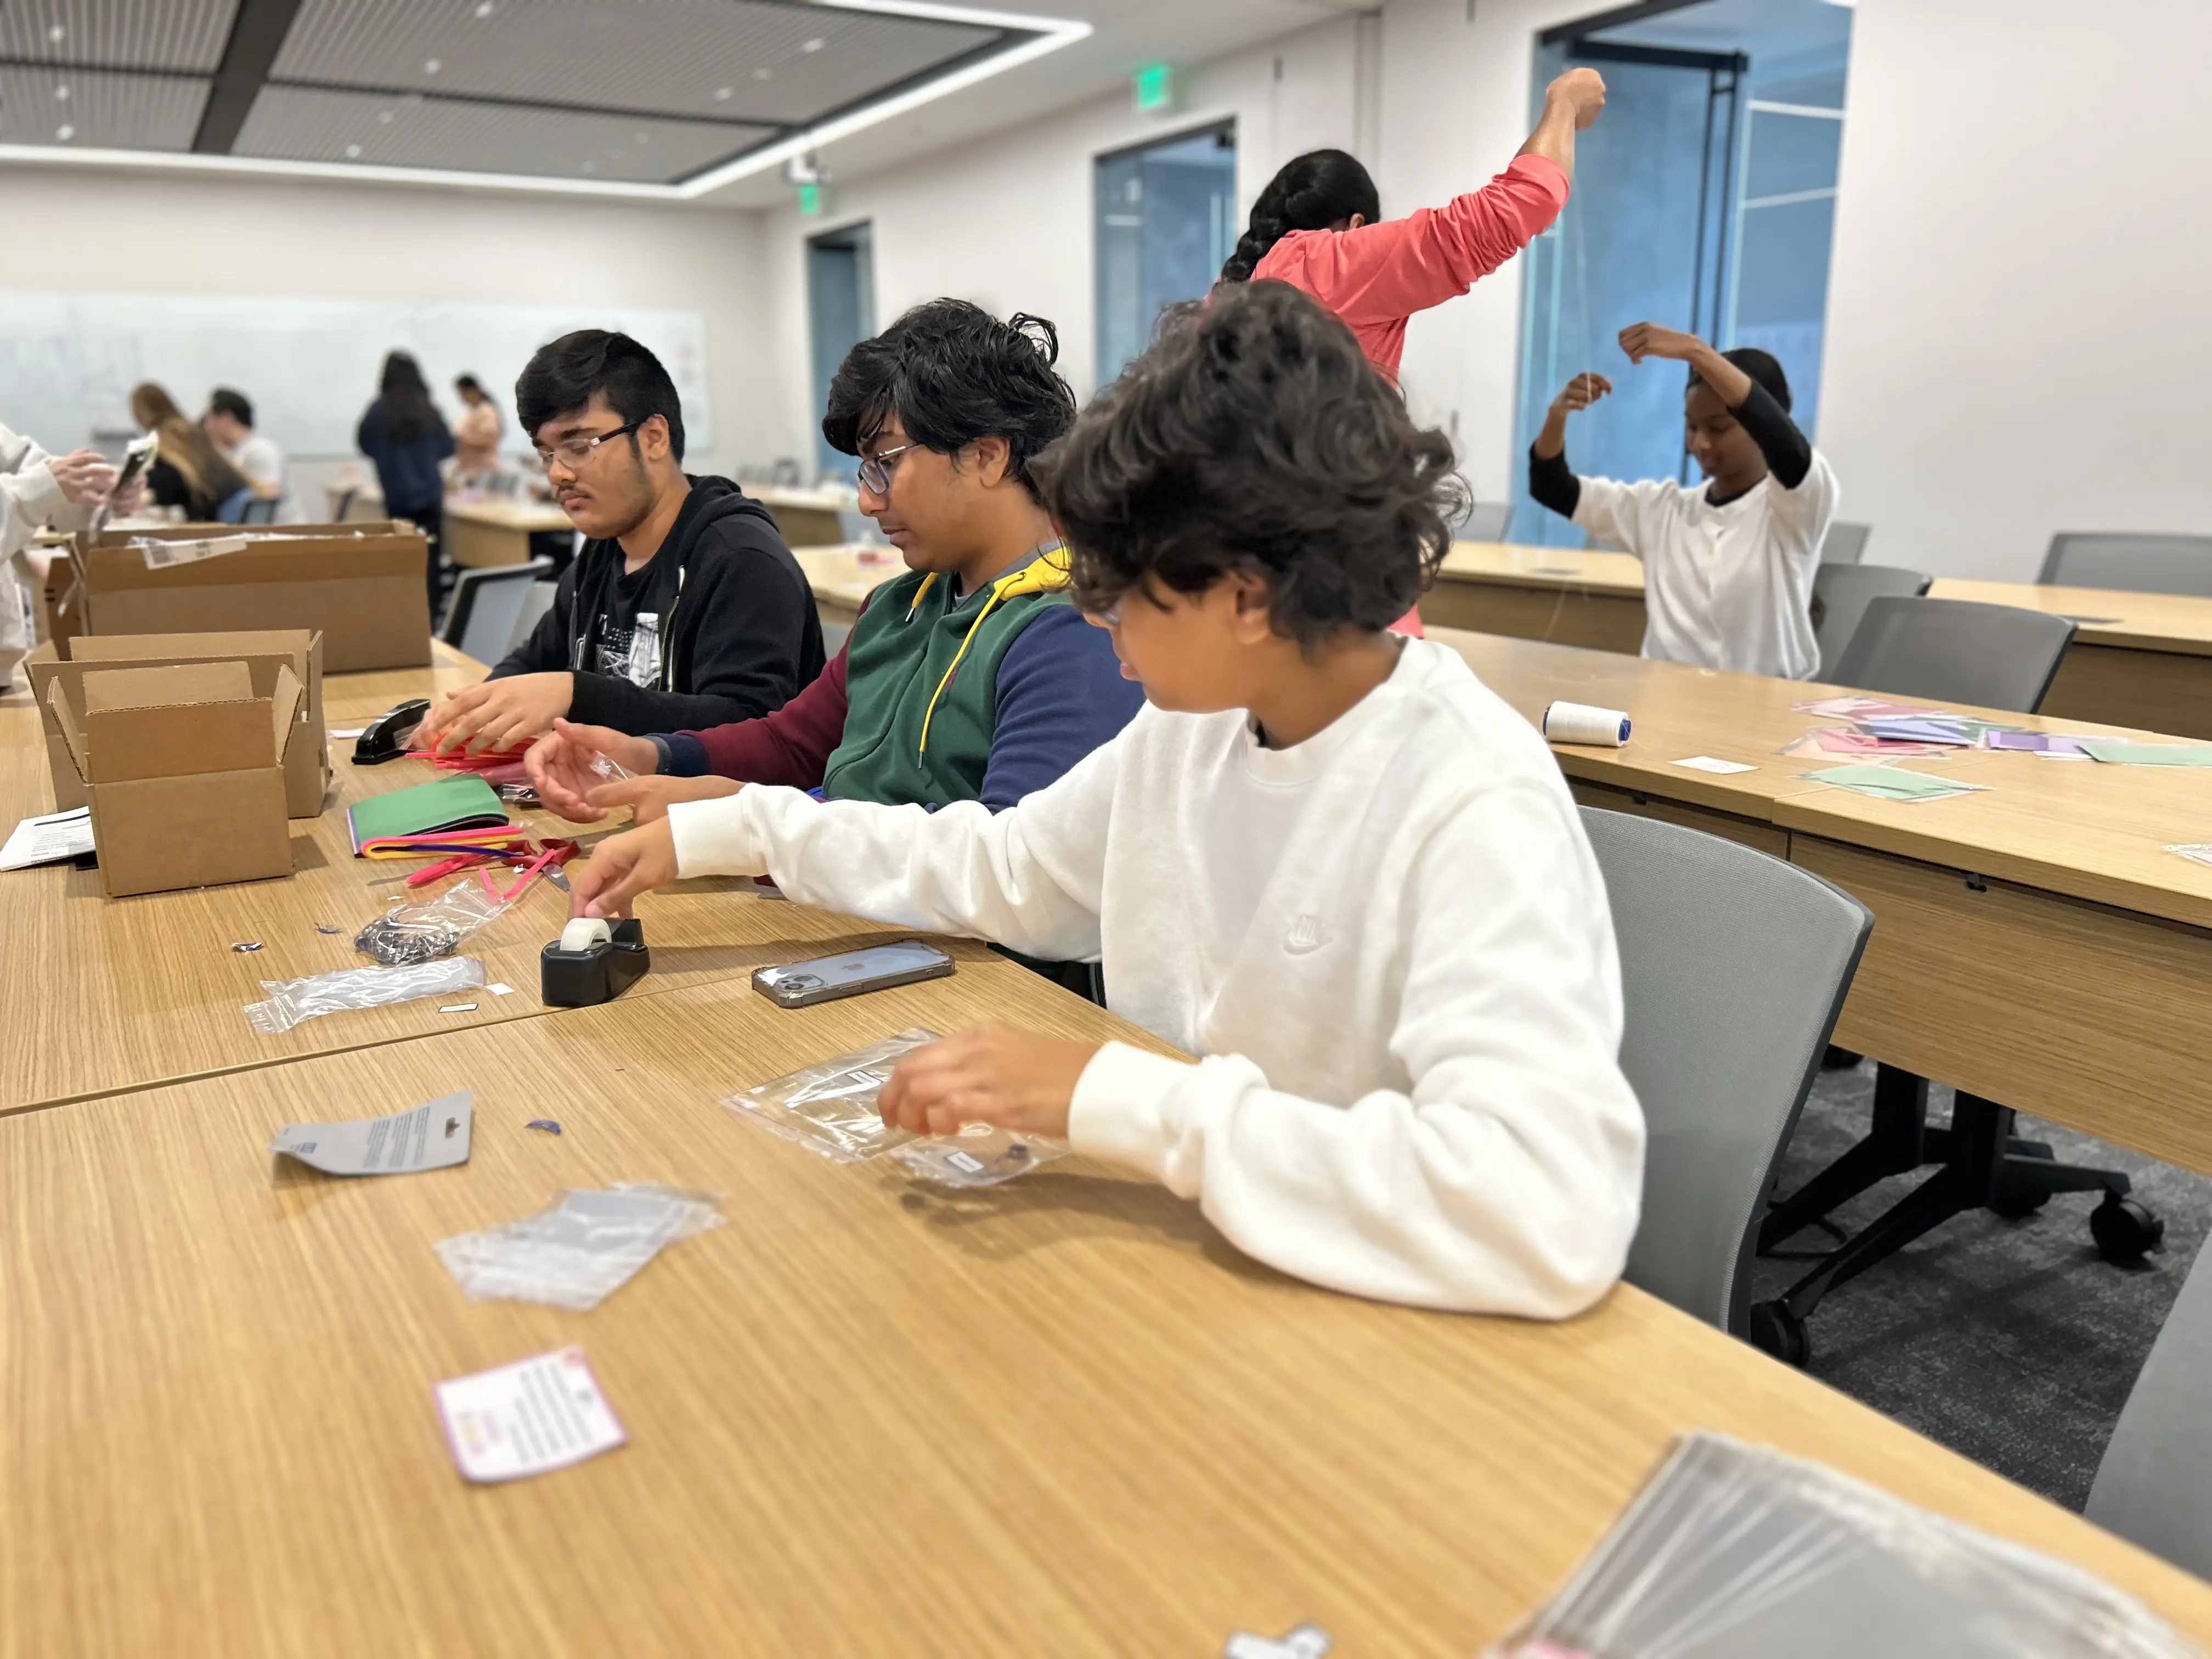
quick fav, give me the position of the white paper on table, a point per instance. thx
(525, 1419)
(1707, 763)
(48, 840)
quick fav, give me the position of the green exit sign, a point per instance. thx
(1155, 87)
(809, 201)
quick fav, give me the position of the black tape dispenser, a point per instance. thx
(592, 962)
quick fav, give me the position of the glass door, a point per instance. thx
(841, 313)
(1166, 218)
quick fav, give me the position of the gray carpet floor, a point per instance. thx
(2010, 1341)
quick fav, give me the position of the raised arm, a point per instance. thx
(1570, 103)
(1788, 456)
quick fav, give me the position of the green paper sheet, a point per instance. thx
(461, 803)
(2119, 752)
(1889, 783)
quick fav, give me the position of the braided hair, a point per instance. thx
(1323, 187)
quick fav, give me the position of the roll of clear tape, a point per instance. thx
(1580, 722)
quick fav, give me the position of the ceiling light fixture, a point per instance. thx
(1046, 36)
(66, 133)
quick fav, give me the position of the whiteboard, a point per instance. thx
(309, 366)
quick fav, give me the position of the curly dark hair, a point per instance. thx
(1255, 435)
(953, 373)
(1323, 187)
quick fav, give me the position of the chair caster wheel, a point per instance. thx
(2124, 1230)
(1776, 1331)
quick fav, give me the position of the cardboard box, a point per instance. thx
(183, 766)
(307, 751)
(360, 585)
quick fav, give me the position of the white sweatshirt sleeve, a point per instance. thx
(1028, 877)
(1509, 1180)
(30, 496)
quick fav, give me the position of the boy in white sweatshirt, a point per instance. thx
(1324, 856)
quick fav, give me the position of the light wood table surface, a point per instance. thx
(2137, 659)
(496, 529)
(137, 991)
(807, 518)
(866, 1416)
(843, 576)
(2033, 941)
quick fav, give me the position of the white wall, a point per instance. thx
(2015, 319)
(1007, 221)
(72, 230)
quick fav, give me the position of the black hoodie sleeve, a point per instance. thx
(746, 639)
(546, 650)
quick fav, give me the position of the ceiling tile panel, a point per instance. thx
(97, 109)
(158, 35)
(309, 125)
(747, 60)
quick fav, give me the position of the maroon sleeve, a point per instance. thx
(791, 746)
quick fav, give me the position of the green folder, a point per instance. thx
(462, 802)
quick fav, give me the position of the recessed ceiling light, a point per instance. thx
(66, 133)
(432, 67)
(56, 33)
(814, 44)
(62, 92)
(483, 8)
(722, 95)
(353, 152)
(763, 74)
(383, 118)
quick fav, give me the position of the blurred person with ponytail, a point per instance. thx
(1319, 227)
(188, 470)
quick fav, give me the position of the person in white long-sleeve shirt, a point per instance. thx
(1325, 858)
(38, 489)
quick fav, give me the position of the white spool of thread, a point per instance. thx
(1579, 722)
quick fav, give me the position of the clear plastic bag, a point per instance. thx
(1736, 1552)
(830, 1109)
(981, 1155)
(293, 1000)
(409, 933)
(581, 1248)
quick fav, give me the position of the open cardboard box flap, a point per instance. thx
(179, 720)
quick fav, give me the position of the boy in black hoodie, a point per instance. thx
(684, 608)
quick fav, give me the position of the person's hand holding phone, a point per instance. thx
(85, 476)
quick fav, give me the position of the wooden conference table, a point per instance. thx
(2143, 660)
(496, 529)
(146, 990)
(2034, 942)
(866, 1416)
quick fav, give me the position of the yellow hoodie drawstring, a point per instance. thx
(1046, 573)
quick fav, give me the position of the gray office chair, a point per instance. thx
(1941, 651)
(1486, 521)
(480, 616)
(1733, 968)
(2154, 1487)
(1845, 543)
(536, 602)
(2135, 564)
(834, 636)
(1997, 656)
(260, 510)
(1841, 593)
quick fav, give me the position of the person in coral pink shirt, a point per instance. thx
(1319, 227)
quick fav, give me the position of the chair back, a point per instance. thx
(1840, 595)
(480, 616)
(1845, 543)
(1956, 651)
(234, 508)
(2154, 1487)
(1734, 966)
(536, 600)
(2133, 563)
(1486, 521)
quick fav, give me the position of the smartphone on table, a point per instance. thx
(825, 979)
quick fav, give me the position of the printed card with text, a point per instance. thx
(528, 1417)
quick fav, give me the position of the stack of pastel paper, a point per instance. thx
(1890, 783)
